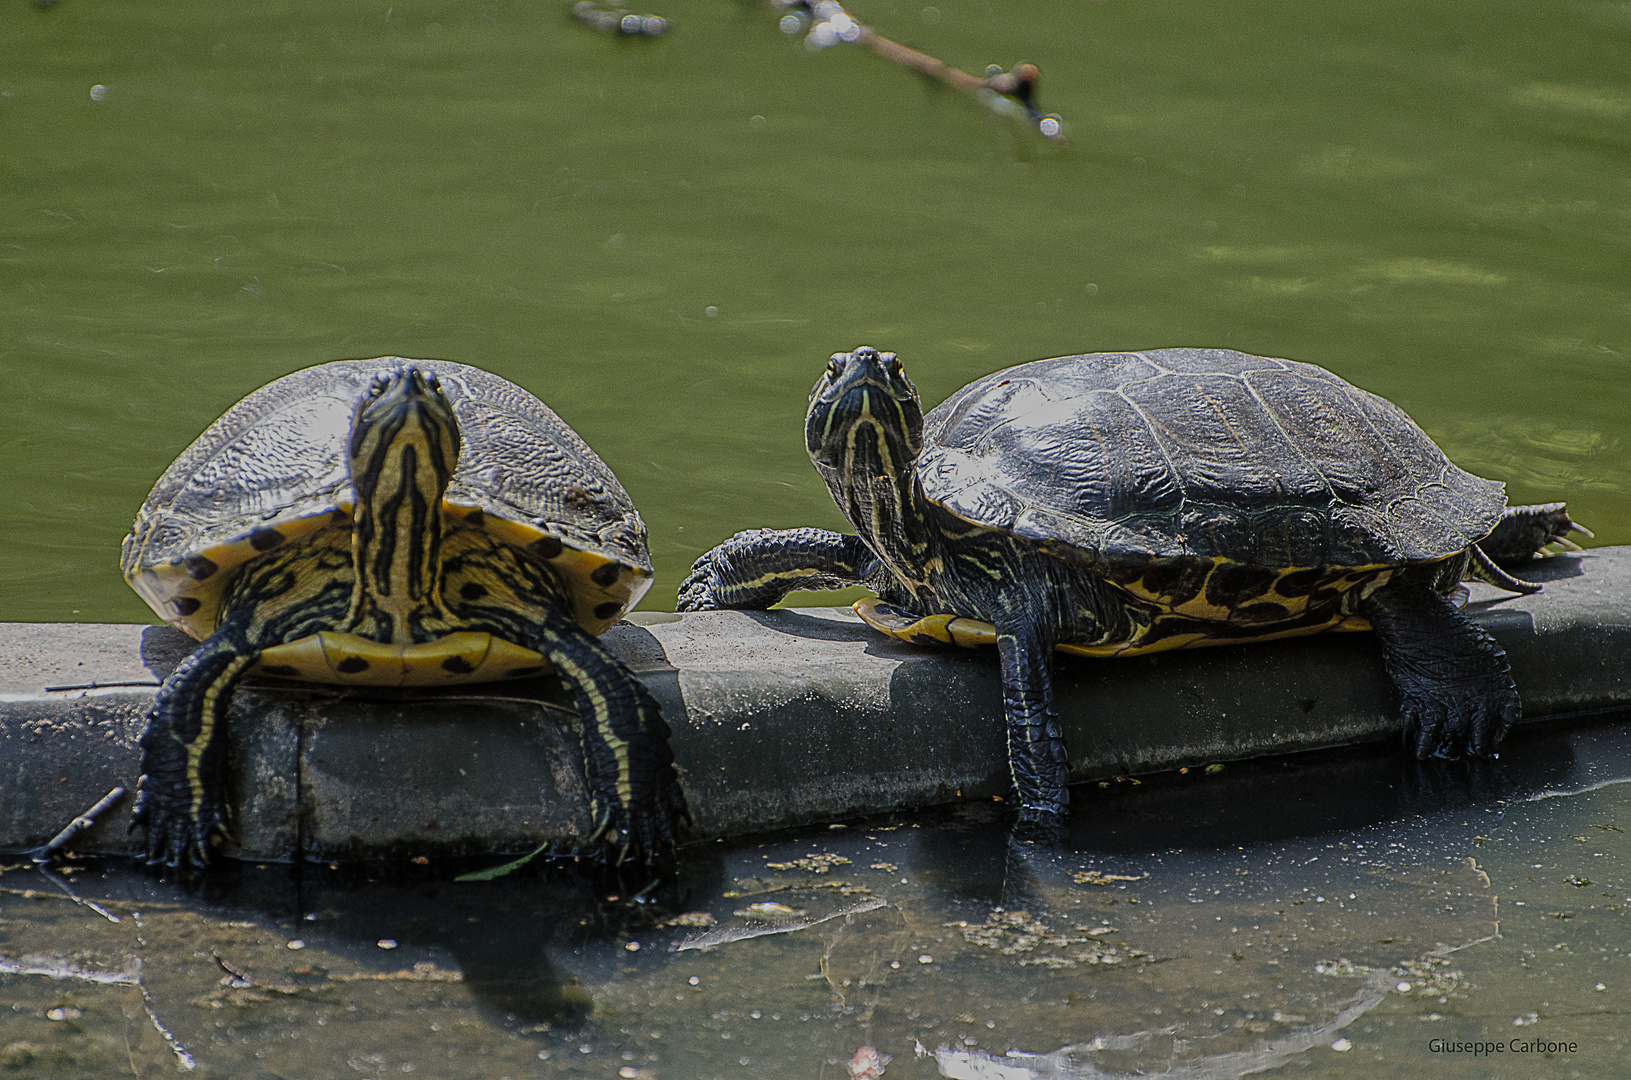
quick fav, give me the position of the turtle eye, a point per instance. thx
(835, 365)
(891, 364)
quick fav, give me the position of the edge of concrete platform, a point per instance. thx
(779, 718)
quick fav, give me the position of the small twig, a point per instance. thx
(78, 825)
(618, 20)
(1000, 91)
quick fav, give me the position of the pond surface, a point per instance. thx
(666, 238)
(1330, 915)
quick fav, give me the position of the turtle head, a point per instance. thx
(404, 433)
(404, 448)
(864, 418)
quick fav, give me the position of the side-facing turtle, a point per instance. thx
(393, 522)
(1127, 503)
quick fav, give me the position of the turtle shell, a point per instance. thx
(1116, 460)
(275, 468)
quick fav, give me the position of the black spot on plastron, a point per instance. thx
(524, 672)
(265, 539)
(607, 610)
(606, 575)
(458, 665)
(278, 669)
(351, 665)
(547, 547)
(185, 605)
(475, 519)
(198, 567)
(472, 590)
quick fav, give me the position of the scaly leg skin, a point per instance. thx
(1036, 748)
(630, 768)
(1456, 694)
(754, 569)
(1524, 530)
(181, 796)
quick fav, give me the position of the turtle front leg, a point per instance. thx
(1524, 530)
(1456, 694)
(181, 795)
(635, 799)
(754, 569)
(1036, 747)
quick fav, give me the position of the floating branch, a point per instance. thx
(618, 21)
(71, 832)
(1006, 93)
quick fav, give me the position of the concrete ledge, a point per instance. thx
(779, 718)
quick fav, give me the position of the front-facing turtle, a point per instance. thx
(1125, 503)
(393, 522)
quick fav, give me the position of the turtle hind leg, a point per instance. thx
(756, 568)
(1456, 694)
(181, 796)
(1524, 530)
(633, 789)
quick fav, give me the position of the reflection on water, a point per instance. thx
(1336, 910)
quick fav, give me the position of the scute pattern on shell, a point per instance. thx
(1119, 458)
(280, 457)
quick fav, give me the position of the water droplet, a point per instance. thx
(1048, 127)
(296, 944)
(711, 311)
(98, 92)
(386, 943)
(925, 959)
(1342, 1046)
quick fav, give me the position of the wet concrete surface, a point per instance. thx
(1331, 913)
(779, 718)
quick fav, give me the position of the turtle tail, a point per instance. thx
(1482, 568)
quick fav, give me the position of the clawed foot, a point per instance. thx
(1525, 531)
(709, 586)
(644, 832)
(175, 839)
(1468, 721)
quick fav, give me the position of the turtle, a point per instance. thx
(393, 522)
(1120, 504)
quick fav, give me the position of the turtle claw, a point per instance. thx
(1525, 532)
(1466, 722)
(177, 841)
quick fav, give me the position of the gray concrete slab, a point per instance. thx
(779, 718)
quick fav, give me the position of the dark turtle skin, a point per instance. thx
(394, 522)
(1124, 503)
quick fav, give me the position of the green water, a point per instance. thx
(1326, 917)
(1432, 199)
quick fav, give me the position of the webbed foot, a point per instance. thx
(1524, 530)
(1456, 694)
(177, 838)
(754, 569)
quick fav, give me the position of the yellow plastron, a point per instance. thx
(974, 633)
(464, 657)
